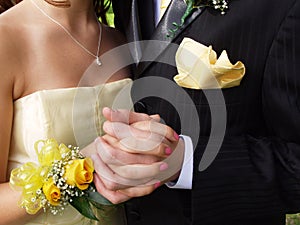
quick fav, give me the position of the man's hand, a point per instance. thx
(137, 155)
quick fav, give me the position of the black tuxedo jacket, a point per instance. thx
(255, 177)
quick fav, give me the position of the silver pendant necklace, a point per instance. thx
(99, 63)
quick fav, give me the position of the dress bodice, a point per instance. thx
(71, 116)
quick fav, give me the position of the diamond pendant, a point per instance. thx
(99, 63)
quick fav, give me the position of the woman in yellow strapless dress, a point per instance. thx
(45, 48)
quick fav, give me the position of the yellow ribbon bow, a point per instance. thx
(31, 177)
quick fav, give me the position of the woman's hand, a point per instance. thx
(137, 155)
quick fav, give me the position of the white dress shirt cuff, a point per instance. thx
(185, 178)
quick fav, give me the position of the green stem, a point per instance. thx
(188, 11)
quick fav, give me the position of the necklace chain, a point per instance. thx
(72, 37)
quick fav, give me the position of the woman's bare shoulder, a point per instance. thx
(9, 50)
(7, 39)
(10, 21)
(13, 14)
(12, 24)
(6, 45)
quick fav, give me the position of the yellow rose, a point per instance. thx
(51, 192)
(79, 173)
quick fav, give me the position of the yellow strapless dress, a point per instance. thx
(71, 116)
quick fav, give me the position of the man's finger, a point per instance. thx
(114, 180)
(126, 116)
(122, 130)
(140, 171)
(146, 147)
(157, 128)
(111, 152)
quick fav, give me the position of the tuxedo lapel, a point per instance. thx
(146, 18)
(141, 25)
(133, 31)
(173, 14)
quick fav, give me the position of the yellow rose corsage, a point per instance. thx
(62, 176)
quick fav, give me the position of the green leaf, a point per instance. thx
(97, 199)
(83, 206)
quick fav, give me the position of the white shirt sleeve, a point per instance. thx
(185, 179)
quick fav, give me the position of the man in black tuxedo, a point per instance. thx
(255, 177)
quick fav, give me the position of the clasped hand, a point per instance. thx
(135, 156)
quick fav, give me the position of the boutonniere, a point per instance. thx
(220, 5)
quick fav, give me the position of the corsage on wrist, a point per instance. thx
(62, 177)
